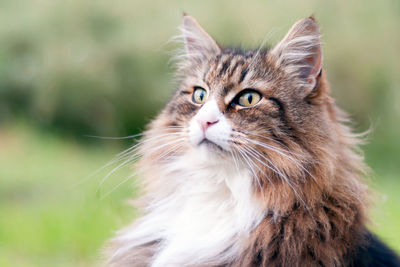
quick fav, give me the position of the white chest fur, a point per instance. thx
(205, 216)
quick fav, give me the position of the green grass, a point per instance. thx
(47, 217)
(48, 220)
(386, 213)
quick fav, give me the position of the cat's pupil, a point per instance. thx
(201, 95)
(250, 98)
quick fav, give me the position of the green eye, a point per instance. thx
(248, 98)
(199, 95)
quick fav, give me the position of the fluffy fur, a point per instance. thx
(275, 184)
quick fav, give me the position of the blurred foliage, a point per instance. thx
(74, 68)
(101, 67)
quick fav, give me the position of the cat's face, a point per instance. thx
(259, 105)
(228, 97)
(234, 99)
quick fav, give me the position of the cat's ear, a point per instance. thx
(198, 43)
(300, 53)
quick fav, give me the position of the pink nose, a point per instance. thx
(204, 124)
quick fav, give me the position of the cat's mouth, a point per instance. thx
(210, 144)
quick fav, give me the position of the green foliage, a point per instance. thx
(101, 67)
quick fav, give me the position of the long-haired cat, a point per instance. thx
(251, 164)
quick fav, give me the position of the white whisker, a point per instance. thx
(115, 137)
(251, 167)
(285, 178)
(160, 157)
(121, 183)
(298, 164)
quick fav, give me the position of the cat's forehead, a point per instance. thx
(229, 65)
(234, 69)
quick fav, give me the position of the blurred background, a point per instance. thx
(74, 69)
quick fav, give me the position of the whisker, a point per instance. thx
(251, 166)
(118, 157)
(235, 160)
(277, 171)
(274, 141)
(269, 34)
(125, 153)
(120, 184)
(298, 164)
(285, 178)
(154, 149)
(134, 157)
(114, 137)
(128, 155)
(126, 162)
(162, 156)
(251, 153)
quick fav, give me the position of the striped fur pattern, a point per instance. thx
(275, 184)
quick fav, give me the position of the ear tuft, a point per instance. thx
(300, 52)
(313, 18)
(198, 43)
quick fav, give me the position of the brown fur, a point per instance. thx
(317, 217)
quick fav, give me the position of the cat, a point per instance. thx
(251, 164)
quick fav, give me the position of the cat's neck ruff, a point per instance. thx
(207, 214)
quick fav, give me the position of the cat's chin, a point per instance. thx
(211, 146)
(210, 151)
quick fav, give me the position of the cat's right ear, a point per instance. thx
(198, 43)
(300, 53)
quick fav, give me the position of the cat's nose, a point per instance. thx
(204, 124)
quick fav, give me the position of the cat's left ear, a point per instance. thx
(198, 43)
(300, 53)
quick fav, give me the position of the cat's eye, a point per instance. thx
(248, 98)
(199, 95)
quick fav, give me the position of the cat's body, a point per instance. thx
(250, 164)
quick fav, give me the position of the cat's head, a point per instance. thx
(268, 108)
